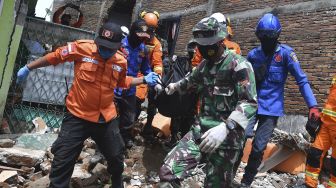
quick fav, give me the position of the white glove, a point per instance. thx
(213, 138)
(158, 88)
(171, 88)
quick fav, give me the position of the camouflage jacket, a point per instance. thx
(227, 89)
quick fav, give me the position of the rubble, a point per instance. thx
(29, 165)
(17, 156)
(6, 143)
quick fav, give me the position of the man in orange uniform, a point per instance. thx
(232, 46)
(325, 139)
(155, 59)
(98, 68)
(66, 18)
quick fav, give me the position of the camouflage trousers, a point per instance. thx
(186, 155)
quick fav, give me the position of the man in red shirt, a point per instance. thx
(98, 68)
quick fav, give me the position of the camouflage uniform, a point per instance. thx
(227, 90)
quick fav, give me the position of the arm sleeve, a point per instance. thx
(294, 68)
(246, 91)
(196, 60)
(62, 54)
(124, 81)
(193, 79)
(79, 22)
(145, 67)
(57, 15)
(157, 59)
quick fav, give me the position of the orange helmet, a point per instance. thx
(151, 18)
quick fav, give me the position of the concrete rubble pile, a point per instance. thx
(26, 162)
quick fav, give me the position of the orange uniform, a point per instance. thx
(232, 46)
(92, 91)
(325, 139)
(155, 59)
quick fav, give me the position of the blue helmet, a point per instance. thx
(268, 27)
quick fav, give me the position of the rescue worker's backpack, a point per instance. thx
(176, 104)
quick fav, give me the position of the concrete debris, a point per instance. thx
(6, 174)
(17, 156)
(40, 183)
(40, 126)
(6, 143)
(45, 167)
(29, 165)
(101, 172)
(80, 173)
(36, 176)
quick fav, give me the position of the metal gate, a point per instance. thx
(43, 94)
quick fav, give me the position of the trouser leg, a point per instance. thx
(111, 144)
(220, 164)
(151, 112)
(315, 155)
(183, 158)
(264, 132)
(66, 150)
(126, 107)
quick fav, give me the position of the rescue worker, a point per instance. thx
(234, 47)
(155, 58)
(137, 61)
(271, 63)
(326, 139)
(228, 99)
(66, 18)
(98, 68)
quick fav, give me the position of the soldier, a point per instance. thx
(227, 88)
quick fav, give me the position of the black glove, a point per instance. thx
(313, 126)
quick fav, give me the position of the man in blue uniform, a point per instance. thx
(271, 63)
(135, 50)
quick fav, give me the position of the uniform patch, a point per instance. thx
(117, 68)
(71, 47)
(90, 60)
(107, 34)
(142, 54)
(294, 57)
(64, 52)
(278, 58)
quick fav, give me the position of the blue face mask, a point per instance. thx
(106, 53)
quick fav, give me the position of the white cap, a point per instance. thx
(124, 30)
(219, 17)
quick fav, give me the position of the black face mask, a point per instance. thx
(268, 45)
(134, 40)
(209, 52)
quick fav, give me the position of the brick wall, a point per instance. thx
(311, 33)
(233, 6)
(172, 5)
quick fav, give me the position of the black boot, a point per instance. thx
(251, 169)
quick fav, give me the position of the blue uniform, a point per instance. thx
(137, 60)
(270, 91)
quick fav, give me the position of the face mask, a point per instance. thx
(106, 53)
(268, 45)
(209, 52)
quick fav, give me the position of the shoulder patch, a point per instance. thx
(278, 58)
(294, 57)
(117, 68)
(71, 47)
